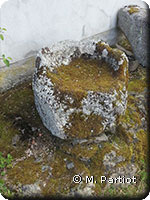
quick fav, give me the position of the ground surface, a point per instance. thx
(44, 165)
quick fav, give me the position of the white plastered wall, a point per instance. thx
(32, 24)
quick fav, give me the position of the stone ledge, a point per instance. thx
(16, 74)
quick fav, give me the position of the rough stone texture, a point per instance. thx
(129, 170)
(63, 109)
(15, 74)
(133, 65)
(134, 22)
(110, 160)
(87, 191)
(31, 190)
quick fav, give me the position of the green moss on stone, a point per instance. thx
(117, 55)
(84, 126)
(133, 9)
(83, 75)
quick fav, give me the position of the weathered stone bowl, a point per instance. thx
(80, 88)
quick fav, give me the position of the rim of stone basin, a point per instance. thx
(72, 113)
(63, 52)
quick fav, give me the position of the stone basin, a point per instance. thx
(80, 88)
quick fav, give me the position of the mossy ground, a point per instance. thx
(18, 116)
(84, 151)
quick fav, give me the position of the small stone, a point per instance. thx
(77, 141)
(70, 165)
(133, 159)
(87, 191)
(77, 66)
(18, 118)
(132, 131)
(142, 109)
(143, 121)
(44, 184)
(15, 140)
(29, 152)
(134, 22)
(38, 160)
(113, 129)
(102, 138)
(33, 129)
(111, 159)
(133, 65)
(32, 190)
(129, 53)
(44, 168)
(119, 159)
(100, 146)
(23, 131)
